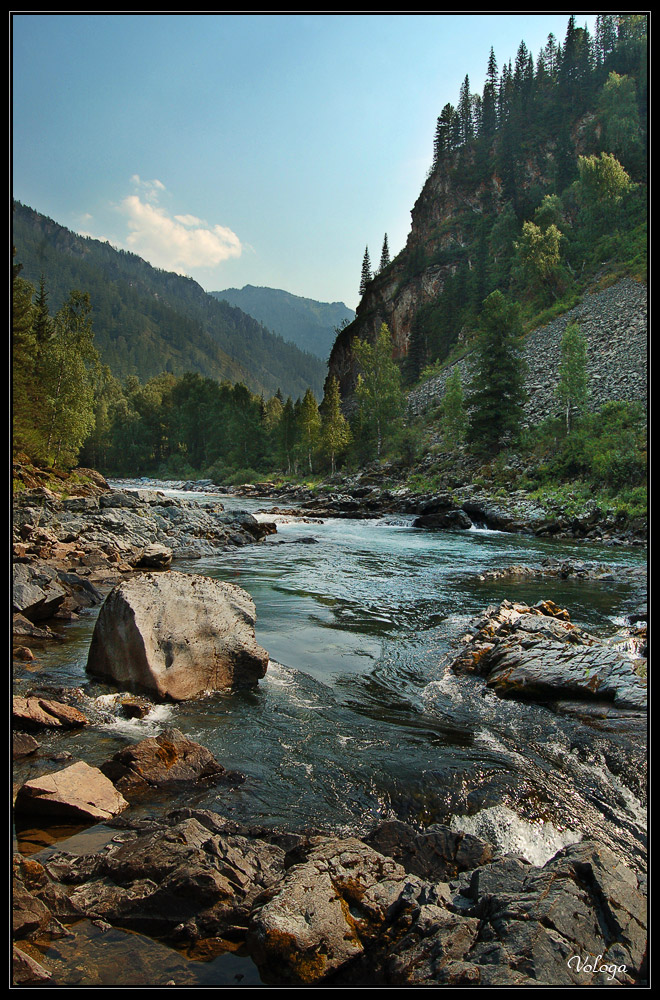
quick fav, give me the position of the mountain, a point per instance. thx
(310, 324)
(147, 321)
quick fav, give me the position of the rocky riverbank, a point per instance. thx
(402, 905)
(68, 550)
(399, 907)
(463, 507)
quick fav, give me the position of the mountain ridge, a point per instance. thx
(147, 320)
(310, 324)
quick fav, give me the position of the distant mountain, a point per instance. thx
(147, 321)
(309, 324)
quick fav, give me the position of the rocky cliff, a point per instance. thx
(443, 237)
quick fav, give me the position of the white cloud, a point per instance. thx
(175, 243)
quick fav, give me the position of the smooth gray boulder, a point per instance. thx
(177, 636)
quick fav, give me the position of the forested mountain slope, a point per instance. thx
(310, 324)
(147, 321)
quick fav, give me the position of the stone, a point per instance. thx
(46, 713)
(26, 971)
(156, 762)
(23, 745)
(155, 556)
(177, 636)
(77, 792)
(323, 913)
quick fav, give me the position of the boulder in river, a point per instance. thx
(162, 761)
(178, 636)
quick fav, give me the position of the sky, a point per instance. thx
(261, 149)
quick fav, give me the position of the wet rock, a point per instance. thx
(445, 519)
(23, 745)
(78, 792)
(23, 628)
(439, 853)
(26, 971)
(177, 636)
(537, 653)
(182, 880)
(39, 713)
(323, 913)
(161, 761)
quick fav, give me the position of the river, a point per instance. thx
(358, 719)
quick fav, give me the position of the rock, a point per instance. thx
(537, 653)
(167, 759)
(178, 636)
(26, 971)
(323, 913)
(78, 792)
(23, 653)
(44, 713)
(437, 854)
(155, 557)
(35, 598)
(184, 879)
(23, 745)
(23, 628)
(445, 519)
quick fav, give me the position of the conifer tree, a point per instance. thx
(366, 272)
(496, 392)
(384, 254)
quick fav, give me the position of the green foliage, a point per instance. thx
(335, 429)
(573, 389)
(147, 321)
(496, 392)
(378, 392)
(452, 411)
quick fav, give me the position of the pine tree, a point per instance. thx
(465, 112)
(496, 393)
(384, 254)
(366, 272)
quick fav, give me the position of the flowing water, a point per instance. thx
(358, 719)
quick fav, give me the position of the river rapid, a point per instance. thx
(358, 718)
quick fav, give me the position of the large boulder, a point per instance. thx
(178, 636)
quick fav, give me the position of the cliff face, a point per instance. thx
(442, 236)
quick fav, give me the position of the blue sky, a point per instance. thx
(263, 149)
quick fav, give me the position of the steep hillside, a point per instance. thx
(614, 323)
(508, 162)
(309, 324)
(147, 321)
